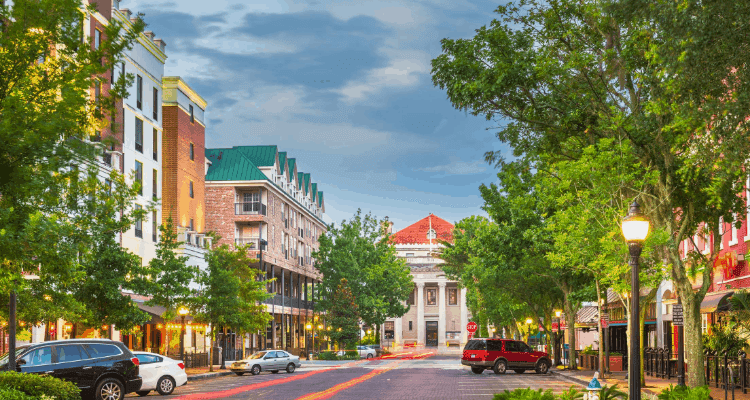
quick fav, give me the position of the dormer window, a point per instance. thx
(431, 234)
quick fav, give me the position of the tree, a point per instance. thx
(231, 293)
(47, 110)
(171, 277)
(343, 315)
(360, 252)
(671, 78)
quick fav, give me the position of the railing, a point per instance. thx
(289, 302)
(720, 367)
(250, 208)
(139, 233)
(254, 243)
(195, 360)
(423, 260)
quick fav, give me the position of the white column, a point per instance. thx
(441, 314)
(464, 317)
(420, 312)
(397, 332)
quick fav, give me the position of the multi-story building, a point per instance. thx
(438, 314)
(255, 195)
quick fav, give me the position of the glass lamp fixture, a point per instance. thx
(183, 311)
(558, 313)
(529, 321)
(308, 326)
(635, 226)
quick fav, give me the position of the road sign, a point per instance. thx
(472, 327)
(677, 315)
(555, 327)
(605, 322)
(605, 316)
(471, 334)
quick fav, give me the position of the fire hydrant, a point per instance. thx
(593, 388)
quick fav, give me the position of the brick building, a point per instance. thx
(254, 194)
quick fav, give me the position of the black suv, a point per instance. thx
(104, 368)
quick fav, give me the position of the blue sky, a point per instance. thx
(345, 88)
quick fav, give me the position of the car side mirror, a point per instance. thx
(20, 362)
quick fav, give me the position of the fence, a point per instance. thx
(196, 360)
(721, 370)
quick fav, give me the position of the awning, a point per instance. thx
(715, 302)
(156, 312)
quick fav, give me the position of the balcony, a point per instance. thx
(250, 208)
(253, 243)
(423, 260)
(139, 233)
(289, 302)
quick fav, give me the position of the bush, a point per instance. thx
(571, 394)
(37, 386)
(685, 393)
(525, 394)
(327, 355)
(726, 339)
(13, 394)
(350, 355)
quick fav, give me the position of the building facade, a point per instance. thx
(438, 313)
(255, 195)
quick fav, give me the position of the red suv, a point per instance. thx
(504, 354)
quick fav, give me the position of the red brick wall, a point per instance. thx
(178, 170)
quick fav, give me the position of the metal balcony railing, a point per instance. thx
(250, 208)
(139, 233)
(252, 242)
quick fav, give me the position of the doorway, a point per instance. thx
(432, 333)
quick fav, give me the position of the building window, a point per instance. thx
(192, 152)
(138, 135)
(155, 184)
(139, 92)
(97, 39)
(704, 324)
(388, 330)
(411, 326)
(155, 144)
(156, 104)
(154, 226)
(452, 297)
(431, 296)
(139, 176)
(431, 234)
(192, 115)
(138, 223)
(410, 254)
(410, 300)
(192, 226)
(192, 195)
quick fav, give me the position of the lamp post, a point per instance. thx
(307, 342)
(183, 311)
(12, 325)
(635, 229)
(558, 346)
(528, 330)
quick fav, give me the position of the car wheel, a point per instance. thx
(369, 356)
(519, 371)
(165, 386)
(500, 367)
(290, 368)
(477, 370)
(240, 373)
(542, 367)
(109, 389)
(143, 392)
(255, 370)
(275, 372)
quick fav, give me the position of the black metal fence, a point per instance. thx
(660, 362)
(721, 370)
(195, 360)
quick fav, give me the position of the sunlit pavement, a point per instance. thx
(407, 375)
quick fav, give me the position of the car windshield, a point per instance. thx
(257, 355)
(4, 357)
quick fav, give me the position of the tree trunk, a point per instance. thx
(570, 320)
(601, 330)
(693, 342)
(211, 350)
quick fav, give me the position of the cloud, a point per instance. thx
(399, 73)
(458, 168)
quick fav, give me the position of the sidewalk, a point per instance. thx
(195, 374)
(653, 386)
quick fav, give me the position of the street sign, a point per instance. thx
(555, 327)
(677, 315)
(605, 316)
(471, 327)
(605, 322)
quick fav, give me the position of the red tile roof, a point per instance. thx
(416, 233)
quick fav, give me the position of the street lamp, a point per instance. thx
(528, 329)
(635, 228)
(12, 325)
(307, 343)
(183, 311)
(558, 314)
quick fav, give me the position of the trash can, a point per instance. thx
(216, 355)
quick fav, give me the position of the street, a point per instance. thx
(434, 377)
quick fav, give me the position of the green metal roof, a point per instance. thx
(261, 156)
(307, 184)
(231, 165)
(300, 179)
(292, 161)
(320, 199)
(314, 192)
(282, 161)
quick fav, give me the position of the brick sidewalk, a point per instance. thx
(653, 385)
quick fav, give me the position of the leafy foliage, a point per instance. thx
(36, 386)
(343, 315)
(725, 339)
(685, 393)
(525, 394)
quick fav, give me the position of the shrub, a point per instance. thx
(571, 394)
(327, 355)
(726, 339)
(525, 394)
(685, 393)
(38, 385)
(350, 355)
(611, 392)
(13, 394)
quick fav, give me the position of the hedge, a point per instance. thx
(13, 394)
(38, 386)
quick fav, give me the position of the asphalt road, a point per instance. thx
(432, 377)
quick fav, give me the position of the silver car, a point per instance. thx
(268, 360)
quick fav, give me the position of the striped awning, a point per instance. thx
(716, 302)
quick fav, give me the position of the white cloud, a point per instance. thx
(458, 168)
(399, 73)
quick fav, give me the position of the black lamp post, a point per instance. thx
(307, 342)
(12, 324)
(183, 312)
(635, 229)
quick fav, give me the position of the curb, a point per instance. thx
(585, 383)
(208, 375)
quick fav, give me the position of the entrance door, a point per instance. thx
(432, 333)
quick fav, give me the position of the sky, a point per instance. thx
(343, 87)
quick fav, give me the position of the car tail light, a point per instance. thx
(135, 361)
(181, 365)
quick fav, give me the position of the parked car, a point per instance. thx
(268, 360)
(364, 352)
(103, 368)
(377, 348)
(503, 354)
(160, 373)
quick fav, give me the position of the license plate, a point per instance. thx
(473, 355)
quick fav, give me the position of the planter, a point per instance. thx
(615, 363)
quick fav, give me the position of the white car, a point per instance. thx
(364, 352)
(159, 373)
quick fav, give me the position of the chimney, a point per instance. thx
(126, 13)
(149, 34)
(162, 44)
